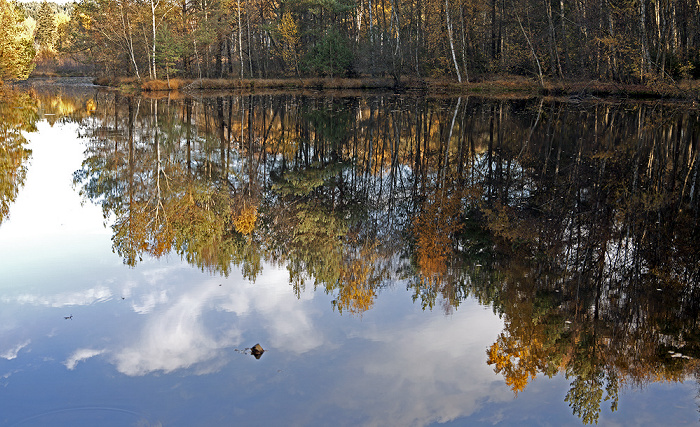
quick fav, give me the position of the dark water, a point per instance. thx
(402, 260)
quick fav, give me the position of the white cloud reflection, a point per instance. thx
(148, 302)
(80, 355)
(77, 298)
(175, 336)
(433, 370)
(12, 352)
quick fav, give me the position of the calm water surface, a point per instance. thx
(402, 260)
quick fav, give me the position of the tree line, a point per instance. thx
(463, 40)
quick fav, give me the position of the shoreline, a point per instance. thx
(516, 86)
(494, 86)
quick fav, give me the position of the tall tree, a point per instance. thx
(45, 35)
(16, 47)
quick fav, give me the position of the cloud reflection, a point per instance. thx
(428, 370)
(80, 355)
(176, 335)
(176, 338)
(150, 301)
(12, 352)
(79, 298)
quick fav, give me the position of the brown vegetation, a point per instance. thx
(501, 86)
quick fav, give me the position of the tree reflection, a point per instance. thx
(18, 114)
(577, 223)
(597, 259)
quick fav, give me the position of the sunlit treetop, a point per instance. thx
(16, 47)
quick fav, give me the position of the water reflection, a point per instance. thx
(577, 224)
(18, 113)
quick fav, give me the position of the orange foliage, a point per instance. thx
(434, 228)
(514, 361)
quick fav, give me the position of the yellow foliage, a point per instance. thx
(90, 106)
(518, 374)
(61, 107)
(245, 221)
(86, 21)
(357, 293)
(290, 34)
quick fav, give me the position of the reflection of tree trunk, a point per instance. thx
(449, 139)
(188, 127)
(532, 129)
(131, 148)
(250, 143)
(154, 107)
(489, 155)
(222, 135)
(417, 157)
(116, 122)
(370, 150)
(131, 168)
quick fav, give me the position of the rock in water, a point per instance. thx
(257, 351)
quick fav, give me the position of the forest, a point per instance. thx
(625, 41)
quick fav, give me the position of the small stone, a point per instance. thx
(257, 351)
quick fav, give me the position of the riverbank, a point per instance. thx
(498, 85)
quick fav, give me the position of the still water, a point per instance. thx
(401, 259)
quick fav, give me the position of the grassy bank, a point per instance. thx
(494, 86)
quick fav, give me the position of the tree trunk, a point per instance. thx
(452, 46)
(153, 20)
(240, 37)
(126, 26)
(532, 49)
(554, 54)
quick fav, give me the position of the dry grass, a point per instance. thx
(290, 83)
(163, 85)
(493, 86)
(651, 90)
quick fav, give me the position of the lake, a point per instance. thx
(320, 258)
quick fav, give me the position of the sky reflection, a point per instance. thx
(164, 317)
